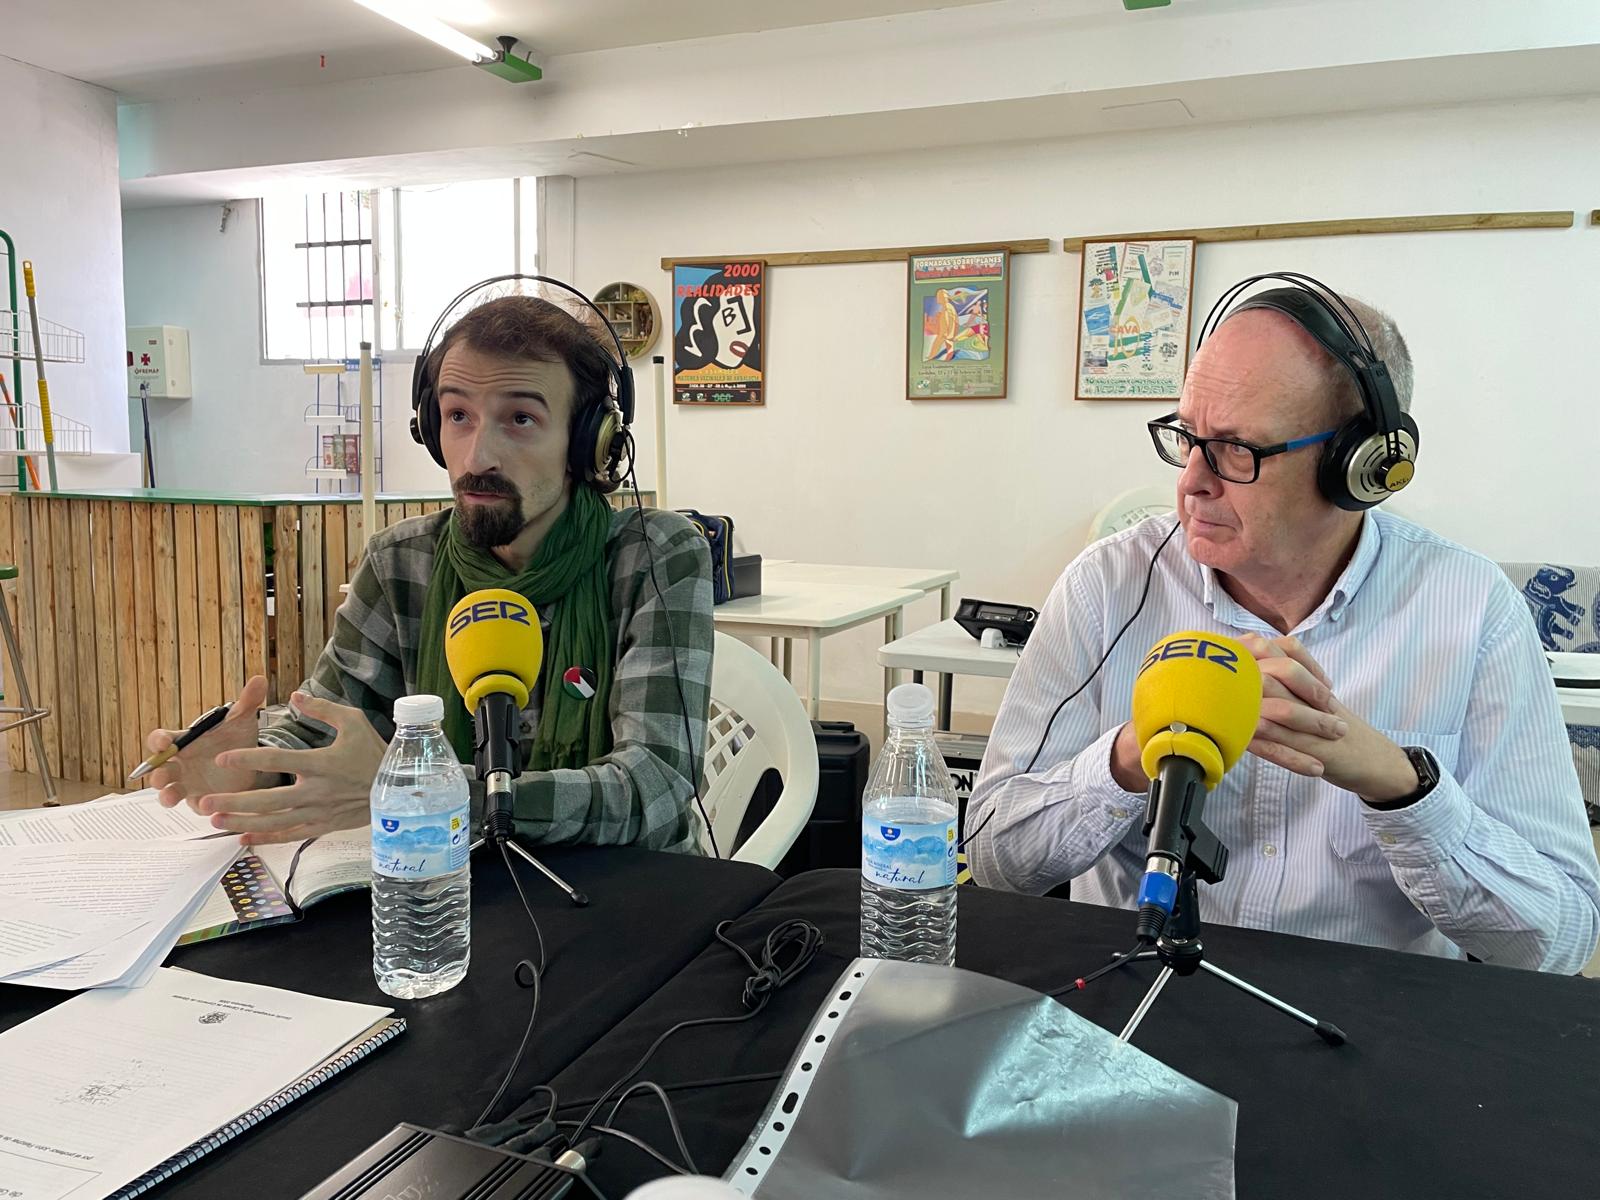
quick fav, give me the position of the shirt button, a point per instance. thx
(1388, 839)
(1269, 849)
(1120, 814)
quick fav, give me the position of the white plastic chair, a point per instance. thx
(757, 724)
(1128, 509)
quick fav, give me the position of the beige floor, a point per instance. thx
(25, 791)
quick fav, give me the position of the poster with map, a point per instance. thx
(957, 325)
(1133, 322)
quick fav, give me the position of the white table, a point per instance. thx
(782, 572)
(911, 579)
(1579, 706)
(949, 650)
(789, 610)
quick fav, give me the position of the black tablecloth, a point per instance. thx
(1458, 1080)
(649, 914)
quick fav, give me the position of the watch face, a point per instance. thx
(1427, 769)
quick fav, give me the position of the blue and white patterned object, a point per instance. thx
(1559, 598)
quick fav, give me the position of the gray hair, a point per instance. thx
(1391, 348)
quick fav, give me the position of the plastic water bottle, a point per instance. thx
(421, 833)
(908, 841)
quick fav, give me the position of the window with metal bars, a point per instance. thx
(340, 268)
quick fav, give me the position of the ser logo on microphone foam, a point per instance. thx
(1192, 648)
(489, 610)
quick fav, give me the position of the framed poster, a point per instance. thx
(719, 316)
(1133, 319)
(957, 325)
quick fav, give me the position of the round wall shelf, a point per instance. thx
(632, 314)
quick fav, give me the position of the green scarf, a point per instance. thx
(568, 582)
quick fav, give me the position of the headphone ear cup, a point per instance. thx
(1357, 471)
(610, 443)
(600, 437)
(424, 411)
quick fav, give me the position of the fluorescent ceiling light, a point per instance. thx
(415, 18)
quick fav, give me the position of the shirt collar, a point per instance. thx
(1225, 608)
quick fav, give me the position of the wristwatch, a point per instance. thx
(1427, 769)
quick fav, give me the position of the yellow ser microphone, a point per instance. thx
(494, 648)
(1196, 705)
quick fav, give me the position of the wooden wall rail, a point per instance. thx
(1433, 223)
(138, 614)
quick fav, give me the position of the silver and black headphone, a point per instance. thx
(600, 446)
(1372, 455)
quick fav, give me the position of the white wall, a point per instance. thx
(840, 467)
(59, 202)
(244, 431)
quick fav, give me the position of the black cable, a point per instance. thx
(1117, 960)
(683, 704)
(1149, 575)
(644, 1085)
(689, 1086)
(798, 938)
(636, 1143)
(534, 972)
(538, 933)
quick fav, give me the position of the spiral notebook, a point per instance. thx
(115, 1090)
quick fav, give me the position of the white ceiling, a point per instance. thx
(164, 49)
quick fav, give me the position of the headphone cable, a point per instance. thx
(1045, 736)
(677, 677)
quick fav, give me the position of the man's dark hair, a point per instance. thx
(529, 327)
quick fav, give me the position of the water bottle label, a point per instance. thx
(914, 858)
(421, 846)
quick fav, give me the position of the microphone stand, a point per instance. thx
(1181, 952)
(495, 754)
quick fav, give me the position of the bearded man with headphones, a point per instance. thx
(1410, 783)
(527, 406)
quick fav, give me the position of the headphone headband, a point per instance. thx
(1371, 455)
(601, 446)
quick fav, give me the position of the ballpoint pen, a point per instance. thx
(203, 724)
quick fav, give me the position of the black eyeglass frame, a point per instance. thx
(1168, 424)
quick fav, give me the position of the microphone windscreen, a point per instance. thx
(1205, 682)
(492, 643)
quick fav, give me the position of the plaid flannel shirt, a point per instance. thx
(641, 793)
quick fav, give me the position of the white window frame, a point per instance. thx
(384, 290)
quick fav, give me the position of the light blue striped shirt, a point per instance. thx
(1426, 640)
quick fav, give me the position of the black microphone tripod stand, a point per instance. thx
(495, 748)
(1181, 951)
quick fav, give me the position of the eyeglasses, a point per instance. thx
(1228, 458)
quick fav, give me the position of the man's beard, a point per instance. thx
(488, 526)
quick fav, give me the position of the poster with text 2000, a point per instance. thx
(719, 333)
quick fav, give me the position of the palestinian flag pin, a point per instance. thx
(579, 683)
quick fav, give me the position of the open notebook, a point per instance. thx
(270, 884)
(113, 1091)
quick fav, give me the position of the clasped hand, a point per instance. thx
(1306, 729)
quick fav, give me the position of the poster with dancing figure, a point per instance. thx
(957, 325)
(719, 313)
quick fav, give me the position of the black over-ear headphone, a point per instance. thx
(1372, 455)
(600, 445)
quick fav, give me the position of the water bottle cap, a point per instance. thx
(418, 710)
(911, 706)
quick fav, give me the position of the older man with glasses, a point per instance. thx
(1409, 784)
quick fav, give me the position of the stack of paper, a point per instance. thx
(96, 895)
